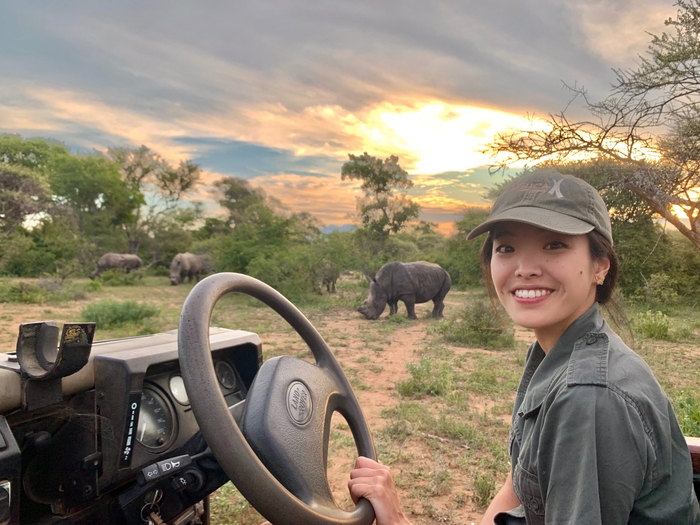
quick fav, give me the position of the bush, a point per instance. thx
(290, 272)
(21, 292)
(109, 313)
(120, 277)
(687, 410)
(427, 378)
(484, 489)
(653, 325)
(478, 326)
(660, 291)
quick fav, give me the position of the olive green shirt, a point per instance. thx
(594, 440)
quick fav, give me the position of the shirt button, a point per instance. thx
(535, 504)
(591, 339)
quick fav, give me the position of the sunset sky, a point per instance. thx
(279, 92)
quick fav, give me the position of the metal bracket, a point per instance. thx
(43, 362)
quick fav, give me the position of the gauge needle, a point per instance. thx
(143, 431)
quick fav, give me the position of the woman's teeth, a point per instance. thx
(531, 294)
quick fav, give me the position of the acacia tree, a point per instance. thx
(383, 209)
(650, 123)
(236, 195)
(159, 185)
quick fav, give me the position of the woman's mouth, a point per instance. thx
(531, 294)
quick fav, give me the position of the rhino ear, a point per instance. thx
(369, 276)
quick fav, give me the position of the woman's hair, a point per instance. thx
(599, 246)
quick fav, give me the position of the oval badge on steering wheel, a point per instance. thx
(299, 403)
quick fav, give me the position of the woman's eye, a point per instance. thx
(555, 245)
(504, 248)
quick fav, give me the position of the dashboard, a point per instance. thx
(123, 440)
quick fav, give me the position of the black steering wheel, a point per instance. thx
(277, 457)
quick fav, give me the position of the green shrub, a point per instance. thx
(21, 292)
(479, 326)
(94, 286)
(660, 291)
(120, 277)
(484, 489)
(687, 408)
(653, 325)
(109, 313)
(427, 378)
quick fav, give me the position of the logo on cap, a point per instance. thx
(556, 189)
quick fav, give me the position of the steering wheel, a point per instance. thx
(277, 457)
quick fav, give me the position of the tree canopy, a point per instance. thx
(383, 209)
(649, 126)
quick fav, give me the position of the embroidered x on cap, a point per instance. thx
(553, 201)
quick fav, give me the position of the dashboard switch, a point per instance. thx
(192, 479)
(163, 468)
(172, 465)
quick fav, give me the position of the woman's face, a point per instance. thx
(544, 280)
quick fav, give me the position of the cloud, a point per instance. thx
(619, 31)
(281, 92)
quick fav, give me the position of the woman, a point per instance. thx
(594, 439)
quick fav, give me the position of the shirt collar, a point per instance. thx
(540, 367)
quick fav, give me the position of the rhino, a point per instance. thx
(415, 282)
(188, 265)
(325, 275)
(109, 261)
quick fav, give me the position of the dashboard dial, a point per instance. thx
(225, 375)
(156, 427)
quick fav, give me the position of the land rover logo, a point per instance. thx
(299, 403)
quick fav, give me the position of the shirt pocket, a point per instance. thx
(527, 488)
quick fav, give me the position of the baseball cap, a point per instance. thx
(552, 201)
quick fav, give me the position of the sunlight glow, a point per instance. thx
(437, 136)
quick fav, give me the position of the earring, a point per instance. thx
(600, 280)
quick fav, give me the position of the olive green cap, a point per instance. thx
(552, 201)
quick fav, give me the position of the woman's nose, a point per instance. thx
(528, 267)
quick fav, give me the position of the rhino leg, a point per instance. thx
(438, 307)
(438, 300)
(410, 307)
(393, 307)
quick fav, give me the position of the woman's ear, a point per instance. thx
(602, 266)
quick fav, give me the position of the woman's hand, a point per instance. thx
(373, 481)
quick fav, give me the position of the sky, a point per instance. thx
(280, 92)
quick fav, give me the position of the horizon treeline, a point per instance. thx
(59, 212)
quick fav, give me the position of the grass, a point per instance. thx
(109, 313)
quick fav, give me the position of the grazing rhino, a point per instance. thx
(325, 274)
(109, 261)
(416, 282)
(188, 265)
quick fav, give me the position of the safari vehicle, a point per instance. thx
(143, 429)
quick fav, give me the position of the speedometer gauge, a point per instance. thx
(156, 426)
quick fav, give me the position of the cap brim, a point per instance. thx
(545, 219)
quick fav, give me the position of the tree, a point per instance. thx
(93, 188)
(34, 154)
(236, 196)
(383, 209)
(650, 123)
(160, 185)
(23, 192)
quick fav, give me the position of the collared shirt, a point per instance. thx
(594, 439)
